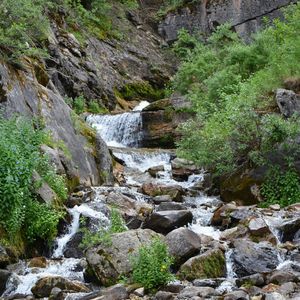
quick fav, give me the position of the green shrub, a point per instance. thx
(151, 267)
(281, 187)
(95, 108)
(103, 236)
(79, 105)
(230, 84)
(20, 156)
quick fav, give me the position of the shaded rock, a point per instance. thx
(44, 286)
(72, 248)
(166, 221)
(237, 295)
(183, 244)
(108, 262)
(4, 276)
(161, 199)
(255, 279)
(161, 295)
(154, 170)
(282, 276)
(194, 291)
(182, 169)
(174, 191)
(288, 230)
(288, 102)
(250, 258)
(258, 227)
(206, 282)
(170, 206)
(4, 258)
(38, 262)
(210, 264)
(221, 216)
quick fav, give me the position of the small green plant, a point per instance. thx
(79, 105)
(95, 108)
(103, 236)
(151, 267)
(281, 187)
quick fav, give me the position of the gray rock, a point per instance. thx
(274, 296)
(161, 199)
(289, 229)
(288, 102)
(193, 291)
(182, 169)
(258, 226)
(154, 170)
(282, 276)
(183, 244)
(206, 282)
(255, 279)
(108, 262)
(166, 221)
(246, 17)
(170, 206)
(250, 258)
(104, 161)
(161, 295)
(237, 295)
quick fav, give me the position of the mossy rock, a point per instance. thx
(141, 90)
(161, 104)
(211, 264)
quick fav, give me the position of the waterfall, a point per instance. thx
(121, 130)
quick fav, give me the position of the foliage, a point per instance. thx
(281, 187)
(151, 267)
(230, 84)
(170, 5)
(95, 108)
(102, 235)
(20, 157)
(79, 105)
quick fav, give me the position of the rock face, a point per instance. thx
(288, 102)
(246, 16)
(250, 258)
(4, 258)
(108, 262)
(183, 244)
(210, 264)
(44, 286)
(166, 221)
(4, 275)
(289, 230)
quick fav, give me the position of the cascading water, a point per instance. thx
(121, 130)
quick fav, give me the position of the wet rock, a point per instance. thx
(4, 276)
(140, 292)
(72, 248)
(174, 191)
(288, 102)
(38, 262)
(108, 262)
(183, 244)
(237, 295)
(194, 291)
(250, 258)
(258, 227)
(182, 169)
(161, 295)
(210, 264)
(44, 286)
(255, 279)
(154, 170)
(274, 296)
(282, 276)
(161, 199)
(4, 258)
(289, 229)
(166, 221)
(286, 289)
(241, 214)
(206, 282)
(221, 216)
(170, 206)
(104, 161)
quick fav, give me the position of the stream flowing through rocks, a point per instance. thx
(244, 251)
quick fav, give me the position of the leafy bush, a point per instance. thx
(230, 84)
(151, 267)
(79, 105)
(95, 108)
(102, 235)
(281, 187)
(20, 156)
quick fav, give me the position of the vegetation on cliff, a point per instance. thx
(231, 85)
(20, 159)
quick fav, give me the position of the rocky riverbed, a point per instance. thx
(221, 250)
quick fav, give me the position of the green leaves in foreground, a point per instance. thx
(151, 267)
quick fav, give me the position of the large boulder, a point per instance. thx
(288, 102)
(4, 276)
(166, 221)
(250, 258)
(183, 244)
(44, 286)
(211, 264)
(109, 261)
(289, 230)
(176, 192)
